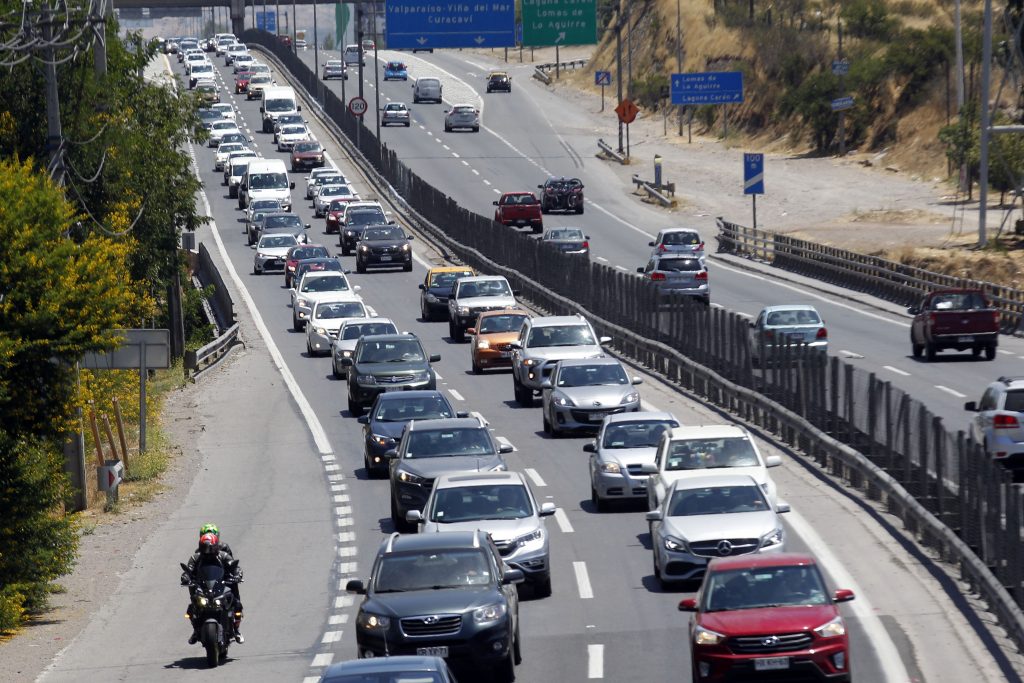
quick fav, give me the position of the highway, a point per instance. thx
(287, 488)
(533, 133)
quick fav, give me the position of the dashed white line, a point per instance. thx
(311, 679)
(455, 154)
(447, 147)
(336, 619)
(602, 259)
(582, 580)
(323, 659)
(486, 181)
(896, 370)
(343, 601)
(595, 661)
(535, 476)
(331, 637)
(952, 392)
(465, 163)
(475, 172)
(341, 498)
(496, 190)
(456, 395)
(563, 521)
(850, 354)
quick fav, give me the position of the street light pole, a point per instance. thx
(316, 45)
(618, 67)
(986, 75)
(376, 84)
(679, 54)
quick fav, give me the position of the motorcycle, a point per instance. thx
(213, 608)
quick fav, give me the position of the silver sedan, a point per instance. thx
(327, 317)
(462, 116)
(704, 517)
(581, 392)
(396, 113)
(793, 324)
(626, 441)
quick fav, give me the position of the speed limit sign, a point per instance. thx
(357, 105)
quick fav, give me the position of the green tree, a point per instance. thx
(329, 42)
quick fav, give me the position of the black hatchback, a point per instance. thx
(384, 246)
(447, 595)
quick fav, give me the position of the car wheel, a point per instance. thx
(523, 395)
(599, 504)
(538, 229)
(916, 350)
(255, 270)
(345, 251)
(360, 267)
(579, 209)
(354, 407)
(460, 334)
(477, 370)
(400, 524)
(334, 368)
(541, 589)
(657, 572)
(990, 353)
(929, 352)
(476, 129)
(406, 124)
(447, 128)
(543, 208)
(233, 192)
(407, 267)
(548, 428)
(506, 671)
(297, 324)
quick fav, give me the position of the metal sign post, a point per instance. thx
(602, 78)
(841, 67)
(753, 179)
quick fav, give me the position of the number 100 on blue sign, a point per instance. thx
(753, 174)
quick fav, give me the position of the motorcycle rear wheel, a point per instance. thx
(211, 642)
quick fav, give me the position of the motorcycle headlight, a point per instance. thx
(832, 629)
(381, 440)
(675, 544)
(483, 344)
(410, 478)
(773, 539)
(631, 397)
(366, 379)
(373, 622)
(201, 601)
(217, 602)
(490, 613)
(561, 399)
(703, 636)
(611, 468)
(525, 539)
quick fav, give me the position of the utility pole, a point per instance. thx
(618, 67)
(295, 47)
(679, 54)
(376, 83)
(54, 136)
(316, 45)
(986, 75)
(964, 182)
(359, 42)
(842, 79)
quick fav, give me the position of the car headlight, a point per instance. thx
(349, 233)
(373, 622)
(431, 299)
(525, 539)
(366, 379)
(490, 613)
(463, 310)
(703, 636)
(346, 354)
(499, 468)
(405, 247)
(483, 344)
(611, 467)
(304, 303)
(530, 362)
(260, 254)
(410, 478)
(321, 330)
(421, 376)
(832, 629)
(381, 440)
(675, 544)
(773, 539)
(363, 248)
(631, 397)
(561, 399)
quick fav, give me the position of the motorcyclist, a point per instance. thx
(211, 550)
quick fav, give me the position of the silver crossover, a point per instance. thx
(581, 392)
(624, 444)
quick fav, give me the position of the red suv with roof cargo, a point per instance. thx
(767, 617)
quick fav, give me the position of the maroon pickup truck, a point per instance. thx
(519, 209)
(958, 319)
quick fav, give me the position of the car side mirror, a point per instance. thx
(772, 461)
(422, 286)
(363, 419)
(261, 110)
(412, 237)
(515, 345)
(517, 292)
(306, 226)
(184, 566)
(355, 586)
(512, 576)
(414, 517)
(356, 288)
(346, 362)
(604, 340)
(505, 448)
(298, 108)
(461, 413)
(650, 244)
(587, 236)
(843, 595)
(434, 357)
(495, 202)
(640, 269)
(782, 507)
(972, 406)
(638, 380)
(590, 447)
(540, 187)
(688, 605)
(547, 509)
(648, 468)
(470, 330)
(546, 384)
(391, 454)
(291, 186)
(913, 310)
(654, 516)
(252, 246)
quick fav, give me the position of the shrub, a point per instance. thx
(867, 19)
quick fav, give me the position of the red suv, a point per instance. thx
(767, 617)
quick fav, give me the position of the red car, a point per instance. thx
(308, 154)
(242, 81)
(519, 209)
(334, 212)
(767, 617)
(285, 40)
(296, 254)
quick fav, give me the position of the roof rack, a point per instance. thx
(1008, 379)
(391, 541)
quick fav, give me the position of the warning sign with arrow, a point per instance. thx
(627, 111)
(559, 22)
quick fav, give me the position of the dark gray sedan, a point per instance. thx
(676, 274)
(570, 241)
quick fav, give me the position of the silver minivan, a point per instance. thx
(353, 56)
(426, 90)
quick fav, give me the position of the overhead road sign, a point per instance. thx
(753, 174)
(712, 87)
(602, 78)
(841, 103)
(267, 21)
(416, 24)
(559, 22)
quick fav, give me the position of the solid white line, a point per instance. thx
(331, 637)
(323, 659)
(595, 661)
(952, 392)
(535, 476)
(888, 656)
(896, 370)
(582, 580)
(1005, 352)
(563, 521)
(311, 679)
(850, 354)
(438, 374)
(457, 395)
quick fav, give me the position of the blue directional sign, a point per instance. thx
(713, 87)
(841, 103)
(267, 21)
(519, 33)
(417, 24)
(840, 67)
(753, 174)
(602, 78)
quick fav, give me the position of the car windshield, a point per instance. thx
(280, 104)
(356, 331)
(463, 110)
(494, 324)
(591, 375)
(232, 137)
(701, 454)
(560, 335)
(268, 181)
(340, 309)
(225, 125)
(384, 234)
(681, 238)
(282, 221)
(799, 316)
(270, 241)
(564, 185)
(264, 205)
(565, 234)
(391, 676)
(395, 107)
(447, 279)
(403, 409)
(431, 570)
(239, 169)
(315, 251)
(644, 434)
(391, 351)
(470, 290)
(960, 301)
(289, 119)
(211, 114)
(333, 190)
(293, 130)
(521, 199)
(307, 147)
(717, 500)
(395, 65)
(442, 443)
(327, 283)
(764, 587)
(678, 265)
(472, 503)
(370, 217)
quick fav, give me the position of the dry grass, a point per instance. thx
(1003, 264)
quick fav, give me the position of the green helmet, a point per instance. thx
(209, 529)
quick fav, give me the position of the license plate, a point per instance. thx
(432, 651)
(771, 664)
(965, 340)
(506, 354)
(385, 258)
(595, 417)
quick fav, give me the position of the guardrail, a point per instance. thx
(610, 151)
(202, 358)
(571, 64)
(224, 312)
(654, 193)
(541, 76)
(872, 274)
(947, 492)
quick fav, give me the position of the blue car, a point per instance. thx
(396, 71)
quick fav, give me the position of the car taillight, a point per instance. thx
(657, 276)
(586, 245)
(931, 318)
(822, 333)
(1005, 422)
(995, 317)
(702, 275)
(700, 247)
(662, 248)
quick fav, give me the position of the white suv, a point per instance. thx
(997, 420)
(544, 341)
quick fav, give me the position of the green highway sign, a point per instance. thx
(559, 22)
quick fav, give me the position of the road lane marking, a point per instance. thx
(475, 172)
(896, 370)
(456, 394)
(952, 392)
(535, 476)
(331, 637)
(486, 181)
(624, 270)
(595, 661)
(341, 498)
(323, 659)
(456, 155)
(582, 580)
(602, 259)
(850, 354)
(505, 442)
(496, 190)
(343, 601)
(447, 147)
(1005, 352)
(563, 521)
(465, 163)
(336, 619)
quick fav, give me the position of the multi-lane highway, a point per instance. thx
(285, 482)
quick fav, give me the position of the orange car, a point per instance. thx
(493, 332)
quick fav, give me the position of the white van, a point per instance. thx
(426, 89)
(266, 179)
(353, 56)
(276, 102)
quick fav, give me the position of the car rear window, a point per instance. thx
(699, 454)
(561, 335)
(645, 434)
(797, 317)
(1014, 401)
(684, 238)
(961, 301)
(679, 265)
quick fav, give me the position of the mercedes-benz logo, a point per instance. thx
(430, 620)
(724, 548)
(770, 641)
